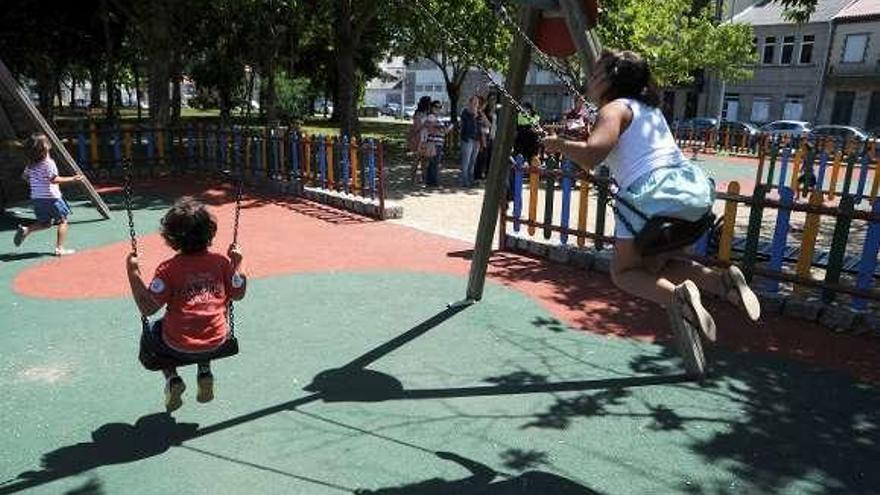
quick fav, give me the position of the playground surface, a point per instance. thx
(356, 377)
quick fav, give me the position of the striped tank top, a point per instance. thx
(40, 175)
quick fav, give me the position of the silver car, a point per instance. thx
(793, 128)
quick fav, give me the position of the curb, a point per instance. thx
(834, 317)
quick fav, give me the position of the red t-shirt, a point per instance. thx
(196, 289)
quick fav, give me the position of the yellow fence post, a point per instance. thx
(726, 243)
(584, 198)
(808, 242)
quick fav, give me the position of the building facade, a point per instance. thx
(851, 93)
(788, 75)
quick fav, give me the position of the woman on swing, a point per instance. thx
(632, 138)
(196, 286)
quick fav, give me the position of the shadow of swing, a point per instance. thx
(352, 384)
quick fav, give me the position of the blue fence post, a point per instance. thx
(783, 167)
(518, 168)
(371, 167)
(780, 235)
(868, 263)
(117, 146)
(294, 156)
(567, 170)
(190, 146)
(823, 165)
(237, 164)
(81, 148)
(220, 153)
(346, 164)
(322, 162)
(151, 148)
(255, 154)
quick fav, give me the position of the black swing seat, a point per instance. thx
(153, 356)
(663, 234)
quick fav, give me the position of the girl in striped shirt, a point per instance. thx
(48, 203)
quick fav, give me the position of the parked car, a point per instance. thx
(839, 133)
(779, 128)
(409, 111)
(391, 109)
(698, 124)
(737, 129)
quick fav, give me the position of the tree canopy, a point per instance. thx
(297, 50)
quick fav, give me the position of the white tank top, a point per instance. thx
(647, 144)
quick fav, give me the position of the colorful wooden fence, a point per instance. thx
(832, 172)
(328, 163)
(830, 269)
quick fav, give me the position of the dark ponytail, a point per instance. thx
(629, 76)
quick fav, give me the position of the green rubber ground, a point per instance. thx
(516, 402)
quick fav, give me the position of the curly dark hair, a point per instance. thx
(188, 227)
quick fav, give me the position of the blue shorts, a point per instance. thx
(680, 191)
(51, 211)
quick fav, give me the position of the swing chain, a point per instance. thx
(127, 193)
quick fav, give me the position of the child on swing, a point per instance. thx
(631, 136)
(195, 286)
(48, 203)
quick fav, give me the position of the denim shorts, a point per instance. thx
(51, 211)
(679, 191)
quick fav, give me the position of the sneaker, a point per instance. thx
(206, 387)
(687, 298)
(173, 392)
(63, 251)
(20, 234)
(738, 292)
(688, 342)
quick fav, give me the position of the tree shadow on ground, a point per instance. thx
(797, 423)
(483, 480)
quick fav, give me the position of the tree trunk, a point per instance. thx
(72, 92)
(95, 90)
(453, 90)
(345, 69)
(159, 59)
(111, 96)
(225, 107)
(109, 72)
(271, 96)
(46, 93)
(138, 94)
(175, 97)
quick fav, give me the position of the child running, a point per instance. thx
(48, 202)
(632, 138)
(195, 286)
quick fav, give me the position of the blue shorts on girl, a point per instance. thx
(682, 191)
(50, 211)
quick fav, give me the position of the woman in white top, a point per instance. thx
(631, 137)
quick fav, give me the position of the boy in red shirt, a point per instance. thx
(195, 286)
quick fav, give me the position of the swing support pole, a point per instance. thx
(496, 183)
